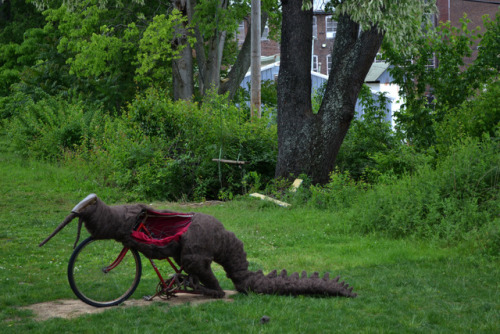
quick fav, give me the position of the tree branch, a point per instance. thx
(242, 64)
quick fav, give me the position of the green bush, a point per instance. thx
(431, 91)
(155, 148)
(475, 118)
(400, 160)
(338, 194)
(457, 197)
(44, 129)
(368, 135)
(162, 149)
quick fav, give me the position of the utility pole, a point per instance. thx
(255, 101)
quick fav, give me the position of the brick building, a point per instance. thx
(324, 29)
(454, 10)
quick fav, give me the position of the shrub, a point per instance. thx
(368, 135)
(475, 118)
(338, 194)
(162, 149)
(45, 128)
(400, 160)
(457, 197)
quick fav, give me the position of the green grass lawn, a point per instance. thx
(403, 285)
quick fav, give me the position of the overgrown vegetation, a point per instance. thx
(155, 149)
(410, 215)
(386, 183)
(406, 284)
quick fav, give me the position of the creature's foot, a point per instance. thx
(211, 292)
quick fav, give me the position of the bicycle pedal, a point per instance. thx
(148, 298)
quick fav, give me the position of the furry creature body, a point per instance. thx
(205, 241)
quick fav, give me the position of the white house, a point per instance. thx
(378, 79)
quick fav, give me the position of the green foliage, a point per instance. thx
(402, 159)
(155, 149)
(45, 128)
(487, 59)
(268, 94)
(161, 149)
(430, 91)
(156, 49)
(400, 21)
(33, 64)
(100, 47)
(211, 18)
(476, 118)
(458, 197)
(16, 17)
(368, 135)
(339, 193)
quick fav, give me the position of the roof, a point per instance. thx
(376, 71)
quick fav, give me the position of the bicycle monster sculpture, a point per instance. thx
(204, 241)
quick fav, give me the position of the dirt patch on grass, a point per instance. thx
(74, 308)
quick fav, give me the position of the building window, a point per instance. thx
(432, 62)
(315, 27)
(328, 64)
(331, 27)
(315, 67)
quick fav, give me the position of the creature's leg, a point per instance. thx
(200, 267)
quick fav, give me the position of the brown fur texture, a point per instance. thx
(205, 241)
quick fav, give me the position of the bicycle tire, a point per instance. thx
(92, 284)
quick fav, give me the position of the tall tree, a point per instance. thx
(307, 142)
(182, 67)
(214, 23)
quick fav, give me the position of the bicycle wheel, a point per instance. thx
(97, 275)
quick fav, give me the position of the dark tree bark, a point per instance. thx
(309, 143)
(295, 117)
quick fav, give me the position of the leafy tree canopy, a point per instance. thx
(400, 20)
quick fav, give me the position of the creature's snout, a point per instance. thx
(89, 200)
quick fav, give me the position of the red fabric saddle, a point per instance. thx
(160, 228)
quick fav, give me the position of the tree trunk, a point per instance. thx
(209, 62)
(255, 78)
(295, 118)
(182, 72)
(309, 143)
(182, 68)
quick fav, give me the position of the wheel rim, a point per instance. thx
(95, 286)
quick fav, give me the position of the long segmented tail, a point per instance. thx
(296, 284)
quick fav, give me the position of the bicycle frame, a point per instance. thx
(177, 283)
